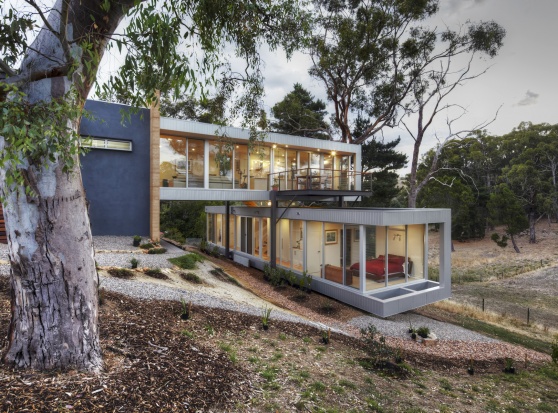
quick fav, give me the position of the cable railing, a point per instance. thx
(319, 179)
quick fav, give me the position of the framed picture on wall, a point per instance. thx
(331, 236)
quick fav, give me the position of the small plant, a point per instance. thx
(471, 367)
(190, 277)
(186, 309)
(411, 329)
(187, 333)
(509, 366)
(101, 296)
(554, 350)
(188, 261)
(147, 246)
(376, 347)
(215, 251)
(306, 282)
(158, 250)
(134, 262)
(398, 355)
(266, 312)
(423, 331)
(137, 240)
(501, 242)
(209, 329)
(413, 335)
(120, 272)
(156, 273)
(326, 335)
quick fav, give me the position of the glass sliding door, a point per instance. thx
(314, 248)
(352, 256)
(259, 168)
(297, 244)
(333, 252)
(241, 167)
(220, 165)
(195, 163)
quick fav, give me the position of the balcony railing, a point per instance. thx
(319, 179)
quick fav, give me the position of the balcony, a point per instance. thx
(315, 179)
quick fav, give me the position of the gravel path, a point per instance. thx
(454, 341)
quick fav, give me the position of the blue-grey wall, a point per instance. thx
(117, 182)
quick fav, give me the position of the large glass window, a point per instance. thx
(352, 256)
(283, 243)
(297, 244)
(241, 166)
(257, 232)
(173, 165)
(333, 252)
(293, 167)
(259, 168)
(265, 238)
(195, 163)
(314, 248)
(220, 165)
(211, 228)
(279, 168)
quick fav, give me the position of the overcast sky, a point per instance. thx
(522, 79)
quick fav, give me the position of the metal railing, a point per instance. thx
(319, 179)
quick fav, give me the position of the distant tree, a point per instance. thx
(203, 109)
(381, 160)
(299, 113)
(505, 209)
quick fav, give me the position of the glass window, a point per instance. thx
(352, 256)
(265, 238)
(241, 166)
(283, 243)
(173, 161)
(220, 165)
(211, 228)
(259, 168)
(314, 248)
(99, 143)
(397, 254)
(374, 266)
(293, 167)
(257, 231)
(333, 252)
(279, 168)
(297, 244)
(195, 163)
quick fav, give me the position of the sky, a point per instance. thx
(521, 83)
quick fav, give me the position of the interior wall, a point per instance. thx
(332, 252)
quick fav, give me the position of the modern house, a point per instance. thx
(374, 259)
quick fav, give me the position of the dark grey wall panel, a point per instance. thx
(117, 182)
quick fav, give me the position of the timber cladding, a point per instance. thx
(3, 237)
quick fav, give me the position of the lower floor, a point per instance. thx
(391, 266)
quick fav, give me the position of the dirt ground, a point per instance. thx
(510, 283)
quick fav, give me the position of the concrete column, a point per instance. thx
(155, 181)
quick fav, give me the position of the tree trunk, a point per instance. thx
(515, 247)
(532, 222)
(54, 323)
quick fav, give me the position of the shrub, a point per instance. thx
(423, 331)
(376, 345)
(203, 246)
(186, 309)
(175, 235)
(190, 277)
(188, 261)
(134, 262)
(215, 251)
(120, 272)
(554, 350)
(157, 250)
(147, 246)
(266, 312)
(156, 273)
(137, 240)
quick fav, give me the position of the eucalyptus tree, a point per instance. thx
(374, 58)
(49, 58)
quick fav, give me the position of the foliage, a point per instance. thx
(423, 331)
(501, 242)
(156, 250)
(505, 209)
(156, 273)
(186, 217)
(190, 277)
(134, 262)
(137, 238)
(299, 113)
(36, 135)
(147, 246)
(375, 345)
(554, 350)
(266, 312)
(188, 261)
(120, 272)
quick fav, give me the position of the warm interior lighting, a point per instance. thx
(333, 153)
(274, 146)
(268, 203)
